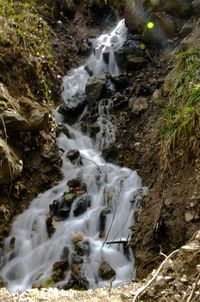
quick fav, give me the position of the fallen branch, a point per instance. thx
(145, 286)
(117, 241)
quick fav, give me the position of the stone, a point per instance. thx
(198, 267)
(192, 41)
(3, 282)
(73, 155)
(189, 217)
(74, 182)
(94, 129)
(73, 107)
(130, 56)
(15, 117)
(105, 271)
(94, 87)
(11, 165)
(81, 205)
(77, 280)
(82, 248)
(160, 281)
(196, 7)
(138, 105)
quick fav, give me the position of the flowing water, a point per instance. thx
(111, 190)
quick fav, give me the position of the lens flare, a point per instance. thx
(150, 25)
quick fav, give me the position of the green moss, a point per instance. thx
(180, 132)
(25, 47)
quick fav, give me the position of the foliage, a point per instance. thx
(26, 53)
(180, 132)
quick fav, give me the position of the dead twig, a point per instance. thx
(145, 286)
(189, 299)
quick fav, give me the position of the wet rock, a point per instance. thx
(64, 129)
(85, 47)
(3, 282)
(81, 205)
(105, 271)
(94, 87)
(196, 7)
(94, 129)
(121, 82)
(76, 259)
(73, 155)
(119, 101)
(50, 227)
(74, 182)
(138, 105)
(82, 248)
(130, 56)
(69, 197)
(77, 281)
(65, 8)
(110, 153)
(10, 165)
(73, 107)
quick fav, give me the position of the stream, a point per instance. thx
(77, 233)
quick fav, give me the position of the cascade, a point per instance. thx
(83, 222)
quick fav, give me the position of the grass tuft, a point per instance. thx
(180, 132)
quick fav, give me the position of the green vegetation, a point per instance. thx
(26, 53)
(180, 132)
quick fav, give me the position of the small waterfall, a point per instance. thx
(84, 221)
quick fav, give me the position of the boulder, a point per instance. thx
(154, 26)
(73, 107)
(74, 182)
(82, 248)
(179, 8)
(10, 165)
(105, 271)
(3, 282)
(130, 56)
(94, 87)
(196, 7)
(137, 105)
(20, 115)
(192, 41)
(81, 205)
(73, 155)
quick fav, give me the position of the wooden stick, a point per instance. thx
(145, 286)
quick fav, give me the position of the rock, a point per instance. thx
(77, 281)
(94, 129)
(65, 7)
(198, 267)
(10, 165)
(154, 26)
(94, 87)
(192, 41)
(121, 82)
(3, 282)
(69, 197)
(82, 248)
(73, 155)
(130, 56)
(20, 115)
(160, 281)
(81, 205)
(105, 271)
(49, 226)
(174, 7)
(85, 47)
(189, 217)
(196, 7)
(73, 107)
(138, 105)
(74, 182)
(187, 28)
